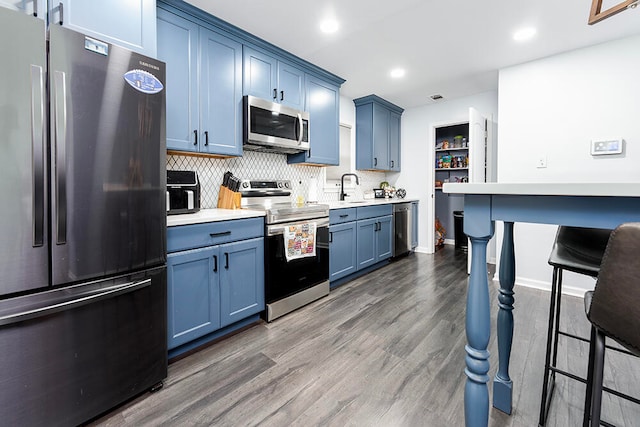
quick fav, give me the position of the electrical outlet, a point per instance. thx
(542, 162)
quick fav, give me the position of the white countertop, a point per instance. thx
(546, 189)
(211, 215)
(365, 202)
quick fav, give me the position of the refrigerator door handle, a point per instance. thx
(38, 153)
(73, 303)
(60, 132)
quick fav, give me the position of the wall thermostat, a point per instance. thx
(601, 147)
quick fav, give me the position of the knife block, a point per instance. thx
(228, 199)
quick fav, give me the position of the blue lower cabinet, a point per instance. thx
(192, 295)
(414, 224)
(212, 287)
(384, 238)
(241, 271)
(367, 230)
(342, 250)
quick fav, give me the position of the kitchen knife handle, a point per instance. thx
(61, 9)
(275, 93)
(215, 263)
(281, 95)
(38, 147)
(60, 133)
(206, 138)
(226, 260)
(195, 136)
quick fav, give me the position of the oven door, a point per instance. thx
(283, 278)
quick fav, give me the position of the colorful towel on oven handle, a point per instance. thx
(300, 240)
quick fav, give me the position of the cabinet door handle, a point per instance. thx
(224, 233)
(215, 263)
(60, 9)
(281, 95)
(226, 260)
(344, 216)
(195, 135)
(275, 93)
(391, 163)
(375, 161)
(330, 236)
(35, 8)
(206, 138)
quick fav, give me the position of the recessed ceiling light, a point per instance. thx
(436, 97)
(396, 73)
(329, 26)
(524, 34)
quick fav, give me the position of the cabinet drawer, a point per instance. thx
(365, 212)
(213, 233)
(338, 216)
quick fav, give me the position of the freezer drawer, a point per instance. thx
(73, 353)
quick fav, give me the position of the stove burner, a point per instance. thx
(274, 197)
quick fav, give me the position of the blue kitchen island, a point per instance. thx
(595, 205)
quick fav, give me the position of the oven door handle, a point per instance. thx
(276, 229)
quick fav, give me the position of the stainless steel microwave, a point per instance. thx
(273, 127)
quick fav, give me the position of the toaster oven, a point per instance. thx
(183, 192)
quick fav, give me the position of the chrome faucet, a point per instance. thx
(342, 193)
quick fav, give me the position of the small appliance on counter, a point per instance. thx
(183, 192)
(378, 193)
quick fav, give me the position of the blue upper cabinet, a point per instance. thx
(220, 94)
(269, 78)
(394, 141)
(204, 87)
(377, 134)
(27, 6)
(260, 75)
(127, 23)
(178, 48)
(323, 105)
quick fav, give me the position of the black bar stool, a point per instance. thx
(579, 250)
(614, 311)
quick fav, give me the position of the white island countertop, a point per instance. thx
(546, 189)
(211, 215)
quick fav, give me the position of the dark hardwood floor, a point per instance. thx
(386, 349)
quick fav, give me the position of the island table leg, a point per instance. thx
(478, 226)
(502, 384)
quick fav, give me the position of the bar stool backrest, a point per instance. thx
(615, 306)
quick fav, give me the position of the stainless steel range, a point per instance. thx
(296, 246)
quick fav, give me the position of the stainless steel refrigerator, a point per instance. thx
(82, 224)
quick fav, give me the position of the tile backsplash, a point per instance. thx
(258, 165)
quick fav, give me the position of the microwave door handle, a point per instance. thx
(300, 128)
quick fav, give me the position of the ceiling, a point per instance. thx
(448, 47)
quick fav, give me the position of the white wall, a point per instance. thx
(418, 155)
(552, 108)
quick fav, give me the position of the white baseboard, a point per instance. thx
(545, 286)
(449, 242)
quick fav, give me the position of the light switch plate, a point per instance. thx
(600, 147)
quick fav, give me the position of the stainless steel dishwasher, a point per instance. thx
(402, 226)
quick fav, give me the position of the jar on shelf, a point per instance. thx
(445, 144)
(457, 141)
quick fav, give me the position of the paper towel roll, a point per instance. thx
(312, 196)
